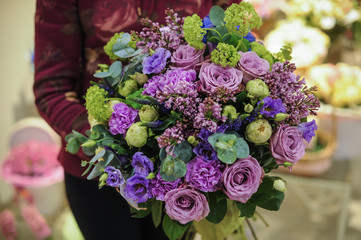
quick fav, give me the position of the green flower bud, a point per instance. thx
(287, 164)
(230, 112)
(140, 78)
(102, 180)
(248, 108)
(148, 114)
(257, 89)
(192, 141)
(128, 87)
(279, 185)
(89, 143)
(151, 176)
(259, 131)
(280, 117)
(137, 135)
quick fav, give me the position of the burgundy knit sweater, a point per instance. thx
(69, 40)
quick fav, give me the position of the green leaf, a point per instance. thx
(246, 209)
(69, 136)
(216, 15)
(73, 145)
(109, 157)
(162, 154)
(218, 207)
(126, 38)
(214, 138)
(116, 69)
(142, 213)
(81, 138)
(241, 148)
(157, 210)
(172, 168)
(95, 134)
(119, 45)
(89, 151)
(97, 170)
(102, 74)
(227, 156)
(172, 228)
(183, 151)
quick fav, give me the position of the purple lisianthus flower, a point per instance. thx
(185, 205)
(137, 188)
(115, 177)
(205, 150)
(156, 63)
(159, 187)
(142, 164)
(271, 107)
(204, 134)
(186, 57)
(213, 77)
(308, 129)
(204, 175)
(122, 118)
(242, 179)
(252, 66)
(287, 145)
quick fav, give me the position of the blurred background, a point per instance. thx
(323, 199)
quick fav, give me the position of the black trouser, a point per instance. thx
(104, 214)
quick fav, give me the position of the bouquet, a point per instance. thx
(191, 117)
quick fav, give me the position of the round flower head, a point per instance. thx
(241, 18)
(186, 57)
(115, 177)
(148, 114)
(257, 89)
(137, 188)
(225, 55)
(271, 107)
(308, 129)
(193, 31)
(137, 135)
(159, 187)
(259, 131)
(287, 144)
(156, 63)
(185, 205)
(142, 164)
(122, 118)
(242, 179)
(96, 105)
(252, 66)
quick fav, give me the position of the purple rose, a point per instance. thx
(252, 66)
(186, 57)
(115, 177)
(203, 175)
(287, 144)
(271, 107)
(185, 205)
(159, 187)
(122, 118)
(213, 77)
(142, 165)
(242, 179)
(156, 63)
(308, 129)
(137, 188)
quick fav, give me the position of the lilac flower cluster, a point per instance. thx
(298, 100)
(172, 136)
(209, 114)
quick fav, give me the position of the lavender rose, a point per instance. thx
(242, 179)
(115, 177)
(252, 66)
(213, 77)
(159, 187)
(142, 165)
(185, 205)
(203, 175)
(187, 57)
(287, 144)
(122, 118)
(156, 63)
(137, 188)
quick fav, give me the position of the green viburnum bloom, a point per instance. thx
(96, 105)
(242, 16)
(225, 55)
(193, 31)
(108, 48)
(262, 52)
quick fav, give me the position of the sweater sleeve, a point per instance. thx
(58, 66)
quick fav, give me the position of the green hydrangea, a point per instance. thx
(262, 52)
(96, 105)
(242, 15)
(108, 48)
(225, 55)
(193, 31)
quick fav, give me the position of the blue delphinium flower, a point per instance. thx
(271, 107)
(308, 129)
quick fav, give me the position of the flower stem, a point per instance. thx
(252, 230)
(262, 219)
(213, 30)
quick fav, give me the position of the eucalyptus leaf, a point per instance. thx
(241, 148)
(89, 151)
(80, 137)
(116, 69)
(125, 53)
(97, 170)
(227, 156)
(102, 74)
(183, 151)
(69, 136)
(172, 168)
(119, 45)
(216, 15)
(73, 145)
